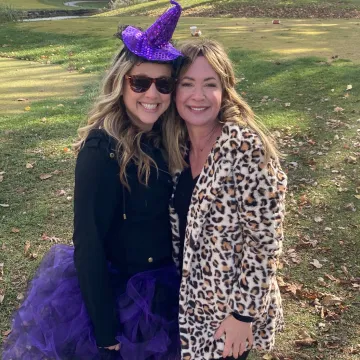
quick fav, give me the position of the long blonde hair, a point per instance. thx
(109, 113)
(233, 108)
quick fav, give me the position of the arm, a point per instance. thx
(95, 201)
(260, 192)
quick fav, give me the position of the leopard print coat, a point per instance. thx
(233, 240)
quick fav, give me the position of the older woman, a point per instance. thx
(227, 214)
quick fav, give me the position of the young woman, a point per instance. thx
(227, 214)
(115, 295)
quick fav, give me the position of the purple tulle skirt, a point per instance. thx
(52, 323)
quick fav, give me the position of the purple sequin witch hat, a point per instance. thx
(153, 44)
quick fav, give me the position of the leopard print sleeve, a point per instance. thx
(260, 193)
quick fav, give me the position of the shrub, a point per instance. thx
(8, 13)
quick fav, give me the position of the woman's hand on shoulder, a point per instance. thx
(236, 334)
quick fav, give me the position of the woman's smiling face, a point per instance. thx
(144, 109)
(199, 94)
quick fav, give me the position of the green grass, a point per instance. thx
(47, 4)
(235, 7)
(275, 66)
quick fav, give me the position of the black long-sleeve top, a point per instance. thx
(140, 242)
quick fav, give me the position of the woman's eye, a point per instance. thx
(211, 85)
(186, 84)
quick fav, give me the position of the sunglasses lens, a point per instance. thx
(140, 84)
(165, 85)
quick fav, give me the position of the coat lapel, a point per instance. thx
(211, 179)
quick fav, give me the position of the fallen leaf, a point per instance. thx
(344, 269)
(27, 247)
(338, 109)
(66, 149)
(29, 166)
(15, 230)
(61, 193)
(330, 300)
(1, 178)
(349, 87)
(318, 219)
(267, 357)
(316, 263)
(287, 104)
(45, 176)
(28, 108)
(1, 269)
(2, 296)
(332, 278)
(20, 296)
(4, 205)
(357, 196)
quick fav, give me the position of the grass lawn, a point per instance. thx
(244, 8)
(47, 4)
(296, 76)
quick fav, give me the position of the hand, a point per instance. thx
(236, 333)
(114, 347)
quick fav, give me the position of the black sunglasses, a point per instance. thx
(141, 83)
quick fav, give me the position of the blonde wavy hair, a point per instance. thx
(234, 109)
(109, 113)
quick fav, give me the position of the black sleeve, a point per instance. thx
(96, 198)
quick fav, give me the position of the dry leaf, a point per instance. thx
(338, 109)
(332, 278)
(29, 166)
(1, 178)
(15, 230)
(267, 357)
(318, 219)
(28, 108)
(357, 196)
(287, 104)
(1, 269)
(20, 296)
(2, 295)
(61, 193)
(330, 300)
(4, 205)
(27, 247)
(316, 263)
(349, 87)
(45, 176)
(345, 270)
